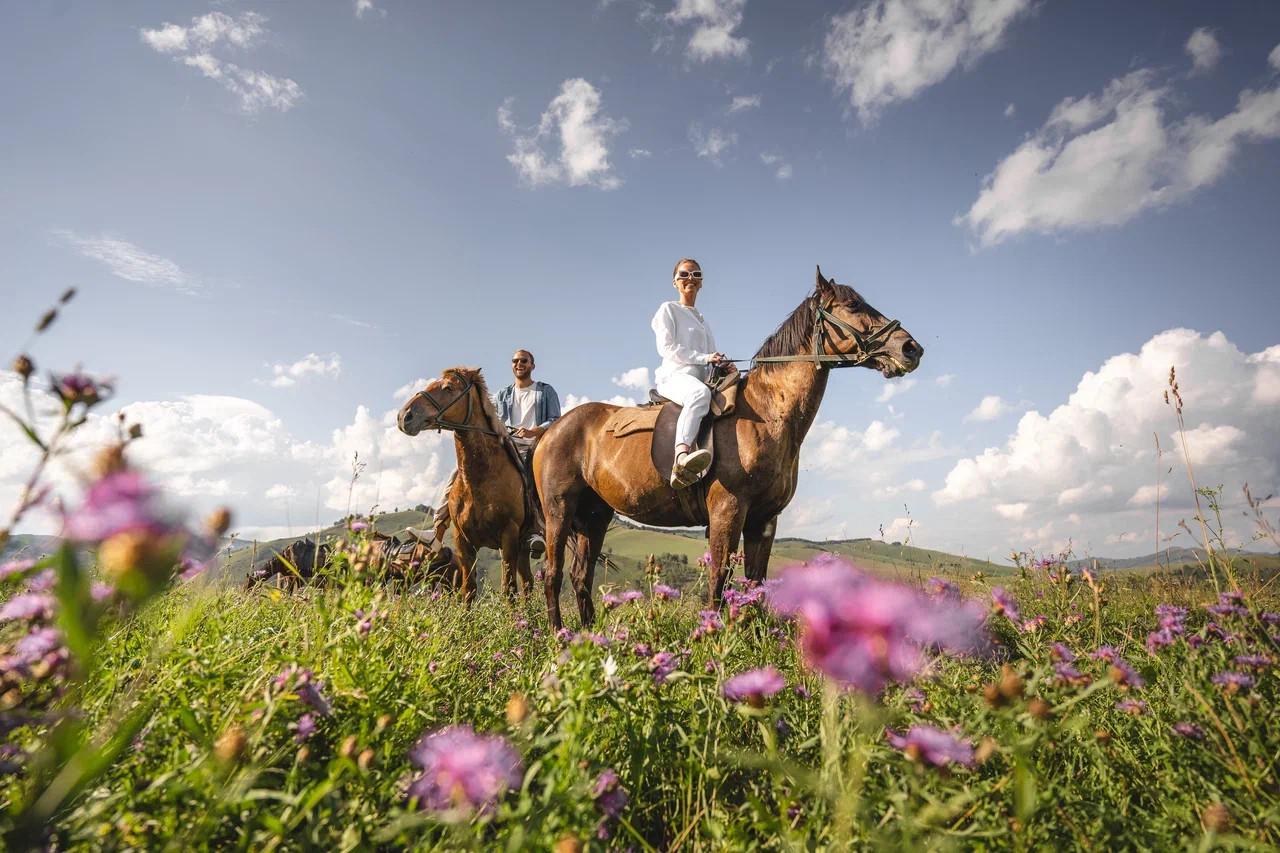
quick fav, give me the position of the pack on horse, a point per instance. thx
(489, 503)
(585, 472)
(381, 558)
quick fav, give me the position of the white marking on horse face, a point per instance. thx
(435, 385)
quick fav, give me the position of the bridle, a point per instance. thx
(437, 421)
(866, 345)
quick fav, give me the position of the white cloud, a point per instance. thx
(740, 103)
(944, 380)
(572, 401)
(1010, 110)
(1204, 49)
(891, 50)
(709, 145)
(364, 7)
(637, 378)
(1013, 512)
(715, 21)
(640, 153)
(310, 365)
(575, 120)
(899, 530)
(991, 407)
(781, 168)
(131, 263)
(352, 321)
(1096, 452)
(193, 46)
(885, 492)
(895, 388)
(1273, 58)
(1102, 159)
(280, 492)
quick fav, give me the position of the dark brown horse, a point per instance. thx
(488, 507)
(584, 475)
(378, 559)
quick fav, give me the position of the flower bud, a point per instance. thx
(24, 367)
(568, 844)
(382, 722)
(1216, 818)
(230, 746)
(46, 320)
(1039, 709)
(365, 760)
(987, 748)
(219, 522)
(67, 296)
(1010, 684)
(135, 431)
(517, 709)
(110, 461)
(303, 754)
(348, 747)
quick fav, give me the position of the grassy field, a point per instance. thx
(229, 746)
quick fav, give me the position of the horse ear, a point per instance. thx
(823, 287)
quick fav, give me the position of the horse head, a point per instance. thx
(849, 327)
(458, 400)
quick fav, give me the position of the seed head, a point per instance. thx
(230, 745)
(1216, 818)
(568, 844)
(46, 320)
(348, 747)
(517, 709)
(986, 748)
(219, 522)
(1010, 684)
(365, 760)
(24, 367)
(1039, 709)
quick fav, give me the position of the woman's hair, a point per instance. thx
(676, 268)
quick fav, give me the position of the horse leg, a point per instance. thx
(511, 548)
(465, 553)
(757, 543)
(558, 516)
(523, 570)
(594, 525)
(724, 532)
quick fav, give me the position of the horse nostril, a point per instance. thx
(912, 350)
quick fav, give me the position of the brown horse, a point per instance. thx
(487, 503)
(380, 558)
(585, 475)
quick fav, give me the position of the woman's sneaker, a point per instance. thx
(689, 467)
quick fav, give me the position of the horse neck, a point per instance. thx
(787, 396)
(478, 454)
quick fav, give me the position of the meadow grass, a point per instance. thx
(220, 760)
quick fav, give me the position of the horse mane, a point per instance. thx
(474, 375)
(794, 335)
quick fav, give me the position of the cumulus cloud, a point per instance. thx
(991, 407)
(1204, 49)
(714, 24)
(709, 145)
(364, 7)
(781, 168)
(309, 366)
(637, 379)
(572, 401)
(1104, 158)
(741, 103)
(891, 50)
(944, 380)
(575, 122)
(900, 529)
(885, 492)
(640, 153)
(131, 263)
(194, 46)
(1096, 455)
(895, 388)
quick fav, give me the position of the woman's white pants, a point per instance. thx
(695, 398)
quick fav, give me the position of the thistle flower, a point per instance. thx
(1157, 640)
(1171, 617)
(1133, 707)
(28, 606)
(865, 632)
(932, 746)
(16, 567)
(1233, 682)
(303, 683)
(916, 700)
(942, 588)
(1254, 661)
(304, 728)
(610, 797)
(1125, 675)
(662, 665)
(1105, 653)
(753, 686)
(1191, 731)
(1059, 652)
(626, 596)
(73, 388)
(462, 771)
(710, 623)
(665, 593)
(1003, 604)
(1066, 673)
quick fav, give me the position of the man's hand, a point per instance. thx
(717, 358)
(521, 432)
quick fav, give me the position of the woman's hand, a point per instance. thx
(717, 358)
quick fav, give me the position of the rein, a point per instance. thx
(866, 345)
(437, 421)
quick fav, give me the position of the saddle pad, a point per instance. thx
(629, 420)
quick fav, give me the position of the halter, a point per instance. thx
(866, 345)
(437, 421)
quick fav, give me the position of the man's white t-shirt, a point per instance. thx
(522, 407)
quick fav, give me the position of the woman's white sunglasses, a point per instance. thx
(694, 274)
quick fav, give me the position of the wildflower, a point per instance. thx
(1039, 709)
(304, 728)
(916, 700)
(24, 367)
(1125, 675)
(359, 526)
(1191, 731)
(942, 588)
(611, 601)
(662, 665)
(1171, 617)
(932, 746)
(1270, 617)
(1254, 661)
(462, 770)
(75, 388)
(1059, 652)
(517, 709)
(610, 667)
(710, 623)
(1157, 640)
(28, 606)
(705, 560)
(1233, 682)
(641, 650)
(230, 745)
(1032, 625)
(610, 797)
(303, 683)
(739, 600)
(1066, 673)
(1071, 619)
(1005, 605)
(753, 686)
(665, 593)
(1105, 653)
(1134, 707)
(16, 567)
(1216, 818)
(865, 632)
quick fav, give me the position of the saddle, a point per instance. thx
(659, 416)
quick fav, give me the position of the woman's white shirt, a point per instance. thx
(684, 341)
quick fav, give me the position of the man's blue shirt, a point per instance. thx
(546, 403)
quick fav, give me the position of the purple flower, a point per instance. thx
(39, 644)
(754, 686)
(1230, 603)
(1254, 661)
(1004, 604)
(1233, 682)
(932, 746)
(15, 567)
(1188, 730)
(1105, 653)
(1135, 707)
(610, 797)
(27, 605)
(359, 526)
(1059, 652)
(189, 568)
(303, 683)
(611, 600)
(1157, 640)
(118, 503)
(864, 632)
(1270, 617)
(710, 623)
(1171, 617)
(1125, 675)
(665, 593)
(1066, 673)
(305, 728)
(942, 588)
(642, 650)
(662, 664)
(916, 700)
(78, 388)
(462, 770)
(705, 560)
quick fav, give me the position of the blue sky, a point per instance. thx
(281, 214)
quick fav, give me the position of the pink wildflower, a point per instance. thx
(932, 746)
(754, 686)
(462, 770)
(665, 593)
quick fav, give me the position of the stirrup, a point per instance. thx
(689, 467)
(426, 537)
